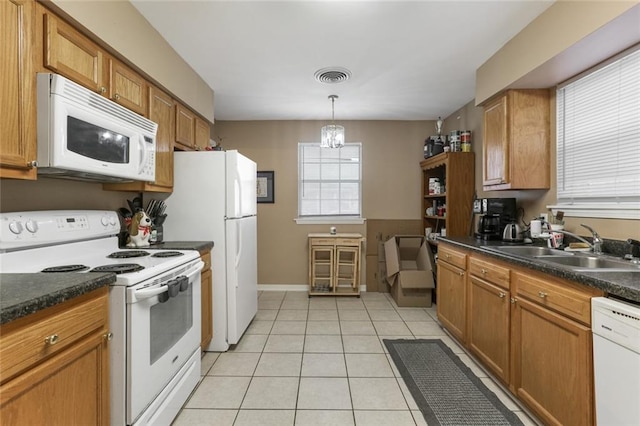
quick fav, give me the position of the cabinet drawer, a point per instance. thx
(23, 344)
(489, 271)
(206, 258)
(453, 257)
(555, 294)
(322, 241)
(347, 241)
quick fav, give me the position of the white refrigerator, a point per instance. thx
(214, 199)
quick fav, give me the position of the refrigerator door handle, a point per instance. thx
(238, 248)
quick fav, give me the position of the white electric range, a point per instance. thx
(154, 305)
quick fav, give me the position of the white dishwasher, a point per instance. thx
(616, 361)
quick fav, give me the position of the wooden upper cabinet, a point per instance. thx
(69, 53)
(203, 134)
(17, 91)
(161, 111)
(185, 127)
(127, 87)
(516, 141)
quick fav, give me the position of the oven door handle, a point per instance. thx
(148, 293)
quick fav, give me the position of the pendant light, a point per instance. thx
(332, 135)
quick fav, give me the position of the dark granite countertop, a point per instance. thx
(183, 245)
(24, 294)
(622, 284)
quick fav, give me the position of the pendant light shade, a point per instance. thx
(332, 135)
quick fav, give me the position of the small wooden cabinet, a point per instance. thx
(454, 170)
(516, 152)
(207, 300)
(192, 132)
(489, 314)
(452, 290)
(54, 364)
(334, 264)
(17, 91)
(70, 53)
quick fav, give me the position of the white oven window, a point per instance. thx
(170, 321)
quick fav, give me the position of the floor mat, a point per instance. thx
(446, 391)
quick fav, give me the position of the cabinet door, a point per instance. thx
(127, 87)
(489, 322)
(68, 52)
(207, 309)
(203, 134)
(452, 304)
(17, 91)
(552, 370)
(71, 388)
(162, 111)
(495, 143)
(185, 127)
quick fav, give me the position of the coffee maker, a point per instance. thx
(496, 213)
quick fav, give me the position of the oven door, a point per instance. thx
(163, 331)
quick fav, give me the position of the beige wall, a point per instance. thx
(565, 39)
(121, 26)
(391, 151)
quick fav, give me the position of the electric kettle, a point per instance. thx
(512, 233)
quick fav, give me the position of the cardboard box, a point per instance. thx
(380, 230)
(409, 265)
(376, 273)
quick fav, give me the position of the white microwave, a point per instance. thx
(84, 136)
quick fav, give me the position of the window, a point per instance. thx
(598, 141)
(329, 181)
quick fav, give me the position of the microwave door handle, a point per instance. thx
(143, 154)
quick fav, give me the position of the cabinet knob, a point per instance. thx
(484, 271)
(448, 256)
(461, 273)
(116, 97)
(51, 340)
(103, 89)
(542, 294)
(501, 295)
(108, 337)
(32, 164)
(513, 300)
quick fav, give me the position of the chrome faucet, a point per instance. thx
(596, 240)
(595, 245)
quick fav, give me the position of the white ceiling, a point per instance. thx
(411, 60)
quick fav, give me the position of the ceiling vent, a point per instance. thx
(332, 75)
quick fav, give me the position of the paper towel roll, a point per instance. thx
(536, 228)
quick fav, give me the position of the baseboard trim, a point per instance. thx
(293, 287)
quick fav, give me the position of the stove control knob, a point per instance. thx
(104, 220)
(16, 227)
(32, 226)
(112, 221)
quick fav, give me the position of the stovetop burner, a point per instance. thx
(119, 268)
(128, 253)
(66, 268)
(167, 253)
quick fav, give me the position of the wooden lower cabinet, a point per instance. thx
(552, 365)
(489, 325)
(62, 380)
(207, 301)
(452, 306)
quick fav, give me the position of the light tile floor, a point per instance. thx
(318, 361)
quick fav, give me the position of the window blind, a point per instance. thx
(329, 180)
(598, 137)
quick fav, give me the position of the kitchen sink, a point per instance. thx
(591, 263)
(532, 251)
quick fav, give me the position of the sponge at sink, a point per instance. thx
(578, 245)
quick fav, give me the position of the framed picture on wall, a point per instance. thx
(264, 187)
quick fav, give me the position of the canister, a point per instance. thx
(454, 140)
(465, 141)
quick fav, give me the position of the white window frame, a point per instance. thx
(589, 183)
(328, 219)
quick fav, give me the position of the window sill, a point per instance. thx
(329, 220)
(597, 210)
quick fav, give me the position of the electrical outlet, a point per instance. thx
(545, 217)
